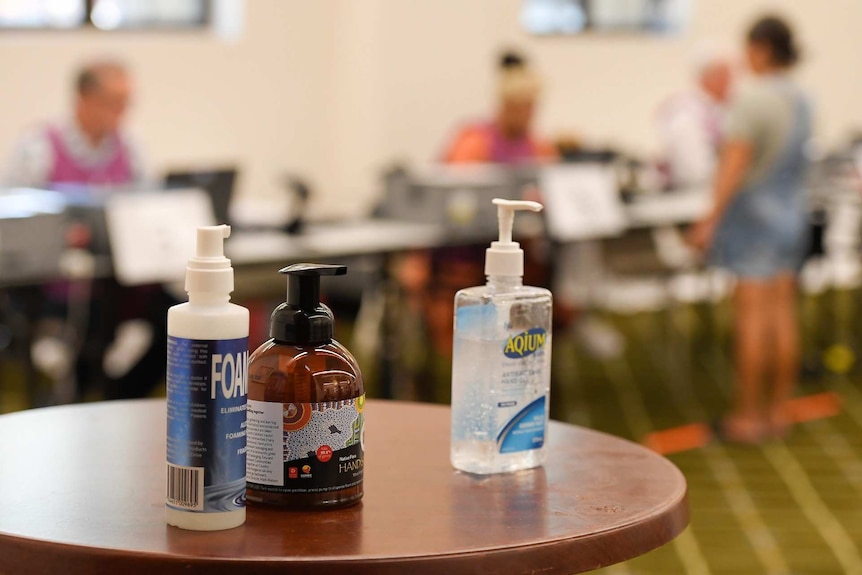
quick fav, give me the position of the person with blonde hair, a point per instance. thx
(508, 138)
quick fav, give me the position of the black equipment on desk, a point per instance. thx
(299, 195)
(456, 197)
(32, 235)
(219, 184)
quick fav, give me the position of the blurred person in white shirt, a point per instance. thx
(691, 124)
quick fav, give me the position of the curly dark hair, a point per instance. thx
(775, 33)
(510, 59)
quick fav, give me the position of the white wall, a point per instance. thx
(336, 89)
(433, 61)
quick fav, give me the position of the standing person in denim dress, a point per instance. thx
(757, 230)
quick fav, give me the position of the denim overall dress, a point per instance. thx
(764, 230)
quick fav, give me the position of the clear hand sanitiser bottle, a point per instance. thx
(501, 369)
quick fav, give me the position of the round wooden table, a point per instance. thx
(84, 493)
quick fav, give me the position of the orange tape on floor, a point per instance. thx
(696, 435)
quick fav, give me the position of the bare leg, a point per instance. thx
(752, 350)
(785, 337)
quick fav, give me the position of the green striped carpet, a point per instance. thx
(787, 507)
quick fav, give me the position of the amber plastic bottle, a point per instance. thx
(306, 402)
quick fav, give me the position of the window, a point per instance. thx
(565, 17)
(32, 14)
(137, 14)
(104, 14)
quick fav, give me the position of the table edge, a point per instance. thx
(666, 523)
(665, 526)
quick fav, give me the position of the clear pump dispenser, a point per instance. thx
(501, 361)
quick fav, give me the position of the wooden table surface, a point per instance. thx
(84, 489)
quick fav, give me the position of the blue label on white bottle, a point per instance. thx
(207, 383)
(524, 431)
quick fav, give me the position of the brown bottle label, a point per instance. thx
(305, 447)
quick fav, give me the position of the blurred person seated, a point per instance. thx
(124, 331)
(507, 138)
(691, 124)
(90, 148)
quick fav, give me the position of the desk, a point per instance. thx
(351, 238)
(381, 236)
(83, 492)
(375, 236)
(668, 209)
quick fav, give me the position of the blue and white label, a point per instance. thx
(524, 431)
(501, 379)
(207, 383)
(522, 387)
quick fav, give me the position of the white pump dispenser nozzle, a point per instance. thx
(208, 270)
(505, 257)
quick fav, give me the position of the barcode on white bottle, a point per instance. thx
(185, 487)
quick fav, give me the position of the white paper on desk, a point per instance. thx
(581, 202)
(153, 234)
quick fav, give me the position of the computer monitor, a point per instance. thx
(32, 236)
(217, 183)
(458, 198)
(152, 234)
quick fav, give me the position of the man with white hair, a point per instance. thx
(123, 339)
(691, 123)
(90, 149)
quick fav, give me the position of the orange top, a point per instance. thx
(483, 143)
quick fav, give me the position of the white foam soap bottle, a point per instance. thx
(207, 383)
(501, 369)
